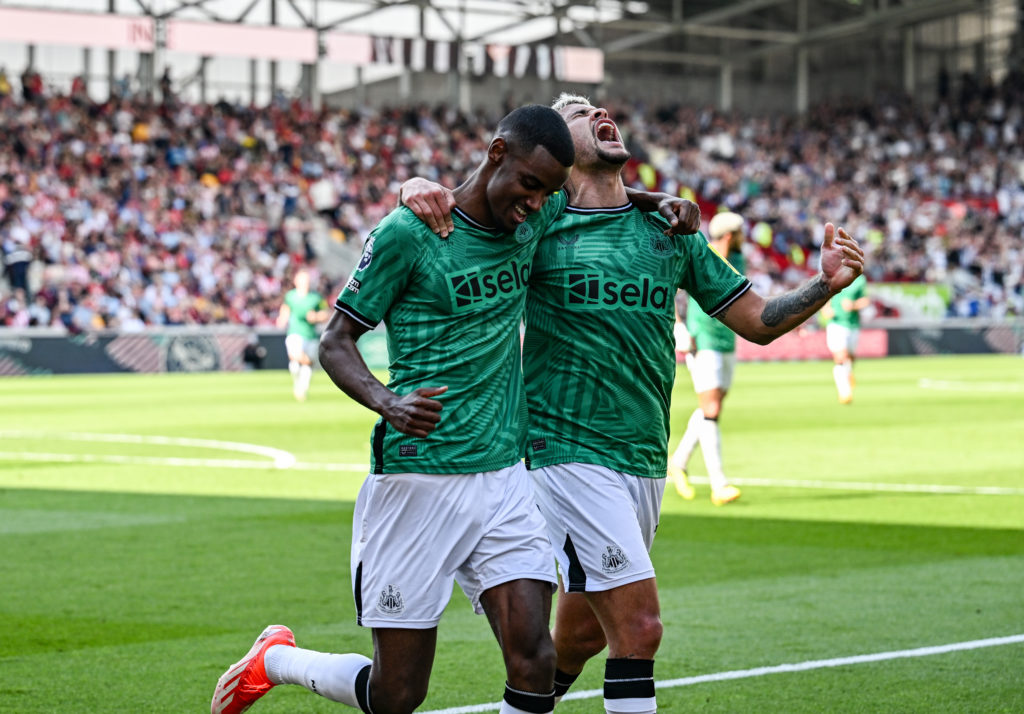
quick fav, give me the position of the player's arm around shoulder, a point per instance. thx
(431, 202)
(683, 215)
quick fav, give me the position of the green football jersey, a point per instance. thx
(854, 291)
(708, 332)
(599, 353)
(452, 308)
(298, 306)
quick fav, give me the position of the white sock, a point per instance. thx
(304, 378)
(711, 447)
(683, 452)
(630, 706)
(332, 676)
(841, 375)
(507, 708)
(293, 367)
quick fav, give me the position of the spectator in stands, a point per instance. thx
(17, 251)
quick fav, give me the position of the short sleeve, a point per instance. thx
(709, 278)
(385, 267)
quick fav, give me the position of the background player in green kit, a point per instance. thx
(448, 497)
(711, 370)
(599, 366)
(301, 311)
(843, 332)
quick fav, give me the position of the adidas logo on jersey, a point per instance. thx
(474, 287)
(593, 290)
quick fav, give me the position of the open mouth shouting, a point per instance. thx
(607, 133)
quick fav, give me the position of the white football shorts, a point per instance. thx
(839, 338)
(413, 534)
(710, 369)
(295, 344)
(683, 340)
(601, 523)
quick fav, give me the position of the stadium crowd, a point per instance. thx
(139, 211)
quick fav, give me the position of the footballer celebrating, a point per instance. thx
(599, 365)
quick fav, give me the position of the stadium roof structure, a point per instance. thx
(708, 32)
(704, 32)
(717, 39)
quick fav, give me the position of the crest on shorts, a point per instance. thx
(390, 600)
(613, 559)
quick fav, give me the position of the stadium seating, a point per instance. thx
(133, 212)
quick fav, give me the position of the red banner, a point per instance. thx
(808, 345)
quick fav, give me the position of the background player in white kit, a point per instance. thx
(842, 333)
(302, 310)
(711, 367)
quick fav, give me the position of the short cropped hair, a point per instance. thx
(535, 125)
(725, 222)
(565, 99)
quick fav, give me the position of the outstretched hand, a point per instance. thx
(842, 259)
(682, 215)
(416, 414)
(431, 202)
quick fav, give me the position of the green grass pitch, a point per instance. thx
(147, 538)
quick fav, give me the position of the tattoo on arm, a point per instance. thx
(778, 309)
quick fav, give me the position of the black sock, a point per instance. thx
(563, 681)
(530, 701)
(363, 689)
(629, 679)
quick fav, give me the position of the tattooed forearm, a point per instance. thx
(778, 309)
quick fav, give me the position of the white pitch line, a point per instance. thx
(956, 386)
(775, 669)
(283, 464)
(868, 486)
(174, 461)
(281, 458)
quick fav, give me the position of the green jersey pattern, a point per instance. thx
(452, 308)
(599, 354)
(298, 306)
(708, 332)
(854, 291)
